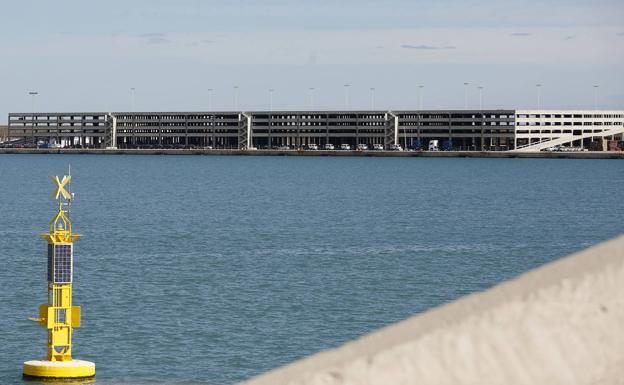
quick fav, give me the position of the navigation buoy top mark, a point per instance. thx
(59, 315)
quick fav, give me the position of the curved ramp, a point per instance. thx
(568, 138)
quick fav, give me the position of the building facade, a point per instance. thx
(464, 130)
(4, 133)
(540, 129)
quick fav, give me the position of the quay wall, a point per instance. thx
(432, 154)
(558, 324)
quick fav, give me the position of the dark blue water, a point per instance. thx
(214, 269)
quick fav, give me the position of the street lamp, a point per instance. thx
(132, 99)
(271, 99)
(235, 98)
(32, 117)
(346, 87)
(311, 97)
(133, 139)
(372, 90)
(481, 116)
(420, 89)
(480, 98)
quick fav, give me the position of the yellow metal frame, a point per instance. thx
(59, 315)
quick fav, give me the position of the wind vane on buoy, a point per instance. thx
(59, 315)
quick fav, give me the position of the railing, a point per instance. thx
(536, 143)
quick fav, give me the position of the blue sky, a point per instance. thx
(86, 55)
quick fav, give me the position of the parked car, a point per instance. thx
(378, 147)
(396, 147)
(433, 145)
(362, 147)
(345, 146)
(312, 147)
(329, 146)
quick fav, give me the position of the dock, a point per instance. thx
(324, 153)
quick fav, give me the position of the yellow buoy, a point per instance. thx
(59, 315)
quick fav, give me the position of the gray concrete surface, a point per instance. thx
(562, 323)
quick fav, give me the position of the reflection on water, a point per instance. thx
(58, 381)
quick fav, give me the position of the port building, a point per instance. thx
(463, 130)
(4, 133)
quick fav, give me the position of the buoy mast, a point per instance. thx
(59, 315)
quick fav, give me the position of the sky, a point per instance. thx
(87, 55)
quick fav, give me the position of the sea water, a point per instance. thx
(208, 269)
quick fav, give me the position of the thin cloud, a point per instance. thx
(519, 34)
(426, 47)
(158, 40)
(155, 38)
(152, 34)
(569, 37)
(620, 33)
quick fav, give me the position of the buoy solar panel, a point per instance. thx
(60, 263)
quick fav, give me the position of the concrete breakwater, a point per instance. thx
(558, 324)
(432, 154)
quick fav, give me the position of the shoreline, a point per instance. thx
(426, 154)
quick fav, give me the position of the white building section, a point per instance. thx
(538, 130)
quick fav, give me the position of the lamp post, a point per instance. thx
(346, 87)
(482, 117)
(235, 98)
(420, 90)
(311, 97)
(466, 84)
(480, 98)
(271, 99)
(32, 94)
(372, 91)
(133, 139)
(132, 99)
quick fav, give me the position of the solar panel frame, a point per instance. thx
(50, 262)
(60, 263)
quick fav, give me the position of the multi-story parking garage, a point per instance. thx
(487, 130)
(4, 132)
